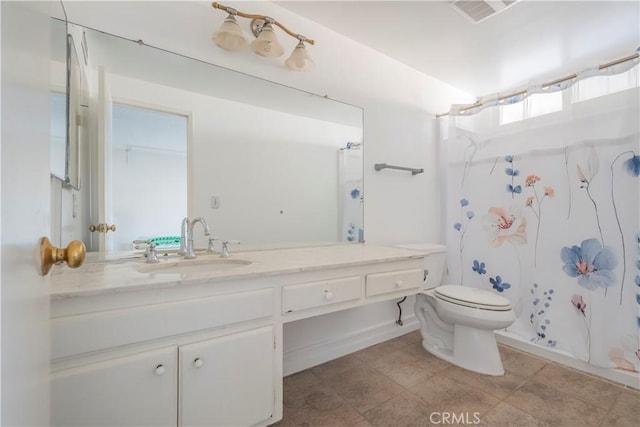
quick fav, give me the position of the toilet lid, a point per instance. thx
(472, 297)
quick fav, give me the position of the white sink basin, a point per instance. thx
(190, 266)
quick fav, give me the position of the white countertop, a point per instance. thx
(96, 278)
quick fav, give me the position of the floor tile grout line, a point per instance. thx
(577, 396)
(362, 413)
(567, 395)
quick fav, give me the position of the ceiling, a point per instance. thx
(532, 40)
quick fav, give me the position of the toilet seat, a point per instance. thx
(465, 296)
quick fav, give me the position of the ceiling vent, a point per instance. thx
(478, 10)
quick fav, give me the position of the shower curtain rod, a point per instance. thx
(551, 83)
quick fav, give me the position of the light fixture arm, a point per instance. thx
(233, 11)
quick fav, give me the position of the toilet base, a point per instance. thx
(473, 349)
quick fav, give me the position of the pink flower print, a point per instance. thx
(549, 191)
(529, 201)
(505, 226)
(579, 303)
(620, 361)
(531, 180)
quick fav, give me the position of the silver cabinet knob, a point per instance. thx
(399, 283)
(328, 295)
(198, 363)
(160, 370)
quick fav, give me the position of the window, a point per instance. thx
(597, 86)
(510, 113)
(535, 105)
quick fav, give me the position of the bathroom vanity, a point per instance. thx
(199, 342)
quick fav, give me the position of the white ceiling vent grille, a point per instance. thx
(479, 10)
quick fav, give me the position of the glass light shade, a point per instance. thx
(267, 43)
(300, 59)
(229, 36)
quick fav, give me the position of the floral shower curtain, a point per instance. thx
(545, 211)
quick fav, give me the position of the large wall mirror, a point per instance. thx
(172, 136)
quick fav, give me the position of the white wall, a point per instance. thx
(399, 126)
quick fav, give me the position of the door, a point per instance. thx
(136, 390)
(25, 200)
(228, 381)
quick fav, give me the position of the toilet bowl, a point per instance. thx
(457, 323)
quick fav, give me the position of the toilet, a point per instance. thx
(457, 323)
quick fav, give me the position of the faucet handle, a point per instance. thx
(224, 252)
(210, 249)
(152, 256)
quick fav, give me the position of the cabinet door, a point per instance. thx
(227, 381)
(137, 390)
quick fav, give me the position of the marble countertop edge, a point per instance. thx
(121, 276)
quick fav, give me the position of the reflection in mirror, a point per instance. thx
(68, 106)
(58, 141)
(58, 101)
(265, 164)
(149, 160)
(75, 114)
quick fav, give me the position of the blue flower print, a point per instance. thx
(461, 227)
(633, 165)
(511, 189)
(512, 172)
(591, 263)
(355, 193)
(541, 305)
(498, 284)
(478, 267)
(351, 233)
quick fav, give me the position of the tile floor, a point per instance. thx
(397, 383)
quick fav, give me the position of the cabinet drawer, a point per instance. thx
(318, 294)
(394, 281)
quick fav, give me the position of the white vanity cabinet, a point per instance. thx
(228, 380)
(139, 389)
(224, 381)
(132, 349)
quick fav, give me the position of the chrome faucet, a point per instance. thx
(183, 237)
(189, 250)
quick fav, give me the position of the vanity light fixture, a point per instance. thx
(231, 38)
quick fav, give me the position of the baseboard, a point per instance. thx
(626, 378)
(299, 359)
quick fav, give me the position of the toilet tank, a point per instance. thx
(434, 262)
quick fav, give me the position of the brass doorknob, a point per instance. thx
(73, 254)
